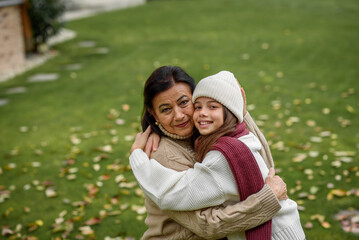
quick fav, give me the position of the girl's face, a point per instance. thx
(208, 115)
(173, 109)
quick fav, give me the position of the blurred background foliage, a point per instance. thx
(45, 19)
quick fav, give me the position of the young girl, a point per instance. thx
(230, 157)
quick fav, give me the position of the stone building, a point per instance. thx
(13, 35)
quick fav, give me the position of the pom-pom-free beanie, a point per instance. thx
(224, 88)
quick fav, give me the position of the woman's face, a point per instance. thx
(173, 109)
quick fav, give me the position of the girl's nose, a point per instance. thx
(203, 113)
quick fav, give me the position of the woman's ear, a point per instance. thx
(153, 114)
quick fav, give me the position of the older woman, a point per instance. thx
(168, 110)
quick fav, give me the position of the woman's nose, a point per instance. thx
(179, 115)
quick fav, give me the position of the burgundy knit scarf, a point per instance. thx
(246, 173)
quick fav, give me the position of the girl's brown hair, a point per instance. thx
(204, 142)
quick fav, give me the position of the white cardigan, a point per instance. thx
(209, 183)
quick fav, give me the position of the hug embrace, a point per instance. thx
(212, 175)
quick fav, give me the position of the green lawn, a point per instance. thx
(64, 144)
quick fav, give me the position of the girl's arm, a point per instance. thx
(195, 188)
(198, 187)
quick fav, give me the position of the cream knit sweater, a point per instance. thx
(211, 183)
(209, 223)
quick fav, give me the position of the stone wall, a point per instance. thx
(12, 49)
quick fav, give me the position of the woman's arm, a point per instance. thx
(218, 222)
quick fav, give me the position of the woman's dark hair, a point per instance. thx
(162, 79)
(205, 142)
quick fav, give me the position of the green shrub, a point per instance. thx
(45, 19)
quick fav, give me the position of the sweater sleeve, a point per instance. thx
(218, 222)
(195, 188)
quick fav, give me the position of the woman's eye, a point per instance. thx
(164, 110)
(184, 102)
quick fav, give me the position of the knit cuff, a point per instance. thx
(293, 231)
(269, 200)
(138, 158)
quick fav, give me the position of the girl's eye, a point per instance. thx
(197, 107)
(213, 107)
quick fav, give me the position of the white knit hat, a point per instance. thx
(224, 88)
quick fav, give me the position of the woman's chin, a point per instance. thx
(185, 132)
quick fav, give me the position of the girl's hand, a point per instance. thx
(277, 185)
(141, 139)
(152, 143)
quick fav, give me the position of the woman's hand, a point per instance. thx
(277, 185)
(141, 139)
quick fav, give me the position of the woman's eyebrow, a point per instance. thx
(180, 98)
(163, 105)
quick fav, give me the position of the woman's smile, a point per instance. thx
(182, 125)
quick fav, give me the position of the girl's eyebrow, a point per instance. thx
(213, 101)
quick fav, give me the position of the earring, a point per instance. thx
(156, 123)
